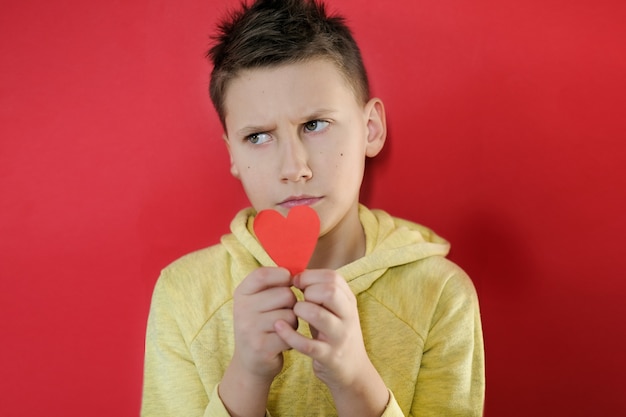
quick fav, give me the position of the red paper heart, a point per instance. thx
(290, 240)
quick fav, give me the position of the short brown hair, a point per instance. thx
(274, 32)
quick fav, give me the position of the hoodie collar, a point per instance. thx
(389, 242)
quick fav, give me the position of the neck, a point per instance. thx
(343, 244)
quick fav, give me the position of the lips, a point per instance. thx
(300, 200)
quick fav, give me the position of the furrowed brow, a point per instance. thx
(249, 130)
(319, 114)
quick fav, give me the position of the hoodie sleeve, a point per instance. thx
(451, 376)
(172, 385)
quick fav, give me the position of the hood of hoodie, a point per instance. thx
(389, 242)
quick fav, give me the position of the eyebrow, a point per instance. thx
(320, 113)
(249, 130)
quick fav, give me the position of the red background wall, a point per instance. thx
(507, 136)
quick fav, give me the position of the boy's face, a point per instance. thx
(297, 135)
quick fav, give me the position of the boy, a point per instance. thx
(379, 324)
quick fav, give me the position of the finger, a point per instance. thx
(313, 348)
(272, 299)
(310, 277)
(325, 324)
(314, 277)
(269, 345)
(264, 278)
(328, 289)
(265, 322)
(332, 298)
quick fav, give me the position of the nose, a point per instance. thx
(294, 160)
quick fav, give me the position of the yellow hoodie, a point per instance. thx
(419, 316)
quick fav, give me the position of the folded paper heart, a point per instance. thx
(290, 240)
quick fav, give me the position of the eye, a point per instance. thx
(315, 125)
(258, 138)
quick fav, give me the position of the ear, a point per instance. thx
(233, 168)
(374, 112)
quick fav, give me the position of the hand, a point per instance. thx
(330, 308)
(261, 299)
(337, 348)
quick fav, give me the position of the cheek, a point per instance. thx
(248, 176)
(244, 163)
(348, 160)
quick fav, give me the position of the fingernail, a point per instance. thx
(296, 280)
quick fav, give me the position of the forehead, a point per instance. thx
(295, 86)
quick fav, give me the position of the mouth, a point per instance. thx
(300, 200)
